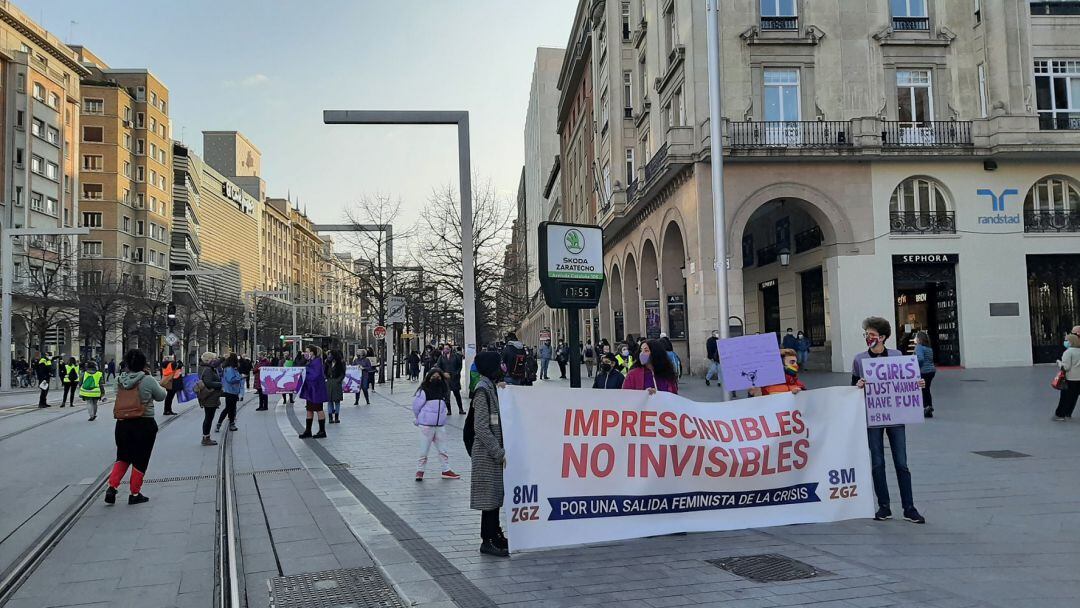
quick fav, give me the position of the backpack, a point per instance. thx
(520, 368)
(128, 406)
(89, 383)
(468, 432)
(675, 362)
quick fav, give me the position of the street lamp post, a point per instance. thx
(461, 120)
(712, 18)
(7, 273)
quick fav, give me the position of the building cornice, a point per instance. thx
(53, 48)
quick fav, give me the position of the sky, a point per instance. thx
(268, 68)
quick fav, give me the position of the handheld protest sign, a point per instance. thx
(892, 390)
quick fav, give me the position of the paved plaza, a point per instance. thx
(1000, 532)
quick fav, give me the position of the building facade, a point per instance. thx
(39, 103)
(877, 162)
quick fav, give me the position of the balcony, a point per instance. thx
(808, 239)
(766, 255)
(656, 163)
(1055, 7)
(631, 190)
(911, 24)
(1052, 221)
(790, 134)
(926, 134)
(919, 222)
(1059, 121)
(772, 24)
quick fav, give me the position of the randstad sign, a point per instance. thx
(998, 207)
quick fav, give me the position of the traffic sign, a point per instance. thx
(395, 309)
(380, 332)
(171, 339)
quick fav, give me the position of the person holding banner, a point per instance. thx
(313, 392)
(175, 371)
(876, 331)
(367, 376)
(335, 376)
(488, 456)
(653, 370)
(232, 385)
(264, 400)
(209, 393)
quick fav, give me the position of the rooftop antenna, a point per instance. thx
(71, 27)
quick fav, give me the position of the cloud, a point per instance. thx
(254, 80)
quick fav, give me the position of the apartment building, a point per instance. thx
(309, 270)
(186, 246)
(39, 103)
(926, 148)
(125, 169)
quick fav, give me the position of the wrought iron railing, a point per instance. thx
(1059, 121)
(918, 222)
(631, 190)
(790, 134)
(808, 239)
(1051, 221)
(780, 23)
(926, 134)
(766, 255)
(656, 163)
(911, 24)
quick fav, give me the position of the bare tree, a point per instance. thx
(45, 287)
(102, 302)
(370, 249)
(440, 246)
(149, 302)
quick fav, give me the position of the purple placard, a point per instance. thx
(892, 389)
(187, 392)
(354, 378)
(750, 361)
(281, 380)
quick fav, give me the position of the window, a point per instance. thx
(52, 171)
(127, 113)
(20, 83)
(92, 162)
(126, 223)
(53, 135)
(1050, 196)
(52, 206)
(139, 200)
(91, 249)
(20, 119)
(631, 173)
(91, 277)
(603, 110)
(779, 15)
(138, 257)
(782, 95)
(1057, 93)
(983, 111)
(54, 101)
(37, 201)
(140, 120)
(127, 141)
(37, 164)
(678, 108)
(127, 169)
(153, 209)
(153, 258)
(93, 134)
(161, 156)
(39, 92)
(140, 173)
(93, 192)
(140, 146)
(18, 157)
(91, 220)
(671, 25)
(626, 20)
(127, 196)
(153, 98)
(919, 205)
(153, 150)
(909, 15)
(153, 177)
(644, 87)
(914, 101)
(140, 228)
(125, 252)
(153, 124)
(37, 127)
(161, 131)
(628, 93)
(67, 183)
(978, 12)
(140, 93)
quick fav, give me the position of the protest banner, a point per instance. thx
(354, 378)
(750, 361)
(187, 390)
(595, 466)
(893, 395)
(281, 380)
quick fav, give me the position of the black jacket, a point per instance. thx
(612, 379)
(710, 349)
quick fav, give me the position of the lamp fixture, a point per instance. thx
(785, 256)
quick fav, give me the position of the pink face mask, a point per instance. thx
(872, 342)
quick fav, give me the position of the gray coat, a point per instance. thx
(487, 452)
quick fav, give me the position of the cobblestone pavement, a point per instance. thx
(1001, 532)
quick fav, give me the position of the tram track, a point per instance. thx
(227, 565)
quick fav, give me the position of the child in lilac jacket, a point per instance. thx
(429, 408)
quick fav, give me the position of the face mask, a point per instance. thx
(446, 351)
(309, 356)
(1066, 344)
(605, 367)
(794, 369)
(644, 358)
(872, 342)
(626, 352)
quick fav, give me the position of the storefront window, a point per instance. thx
(1052, 205)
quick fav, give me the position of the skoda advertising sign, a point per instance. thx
(571, 264)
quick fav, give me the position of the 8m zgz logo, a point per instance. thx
(842, 484)
(997, 206)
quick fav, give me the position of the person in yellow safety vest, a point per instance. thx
(91, 389)
(44, 371)
(623, 360)
(70, 380)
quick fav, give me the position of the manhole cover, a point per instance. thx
(348, 588)
(1002, 454)
(768, 568)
